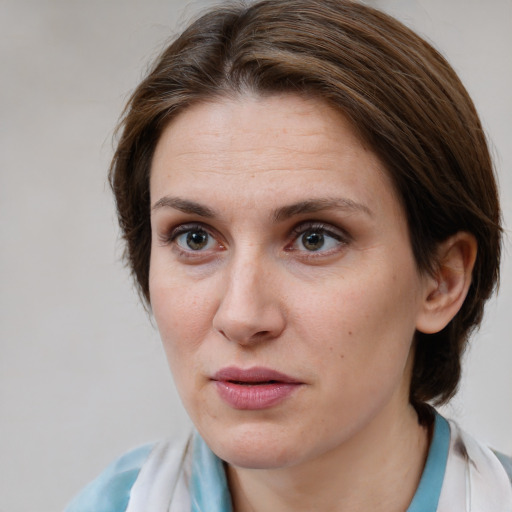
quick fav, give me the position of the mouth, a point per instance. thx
(259, 383)
(253, 376)
(254, 388)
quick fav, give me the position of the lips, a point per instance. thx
(253, 388)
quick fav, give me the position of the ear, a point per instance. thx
(446, 290)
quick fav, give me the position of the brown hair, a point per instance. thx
(402, 97)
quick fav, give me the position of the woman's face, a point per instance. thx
(282, 279)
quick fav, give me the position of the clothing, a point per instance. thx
(184, 475)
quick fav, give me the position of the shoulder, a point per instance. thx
(110, 492)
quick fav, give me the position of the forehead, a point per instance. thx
(273, 123)
(261, 145)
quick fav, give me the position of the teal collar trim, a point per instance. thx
(210, 491)
(427, 495)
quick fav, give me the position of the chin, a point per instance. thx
(259, 458)
(256, 447)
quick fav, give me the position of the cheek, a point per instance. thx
(183, 316)
(363, 325)
(182, 320)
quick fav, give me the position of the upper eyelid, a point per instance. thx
(320, 225)
(188, 226)
(191, 226)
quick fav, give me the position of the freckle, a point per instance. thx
(350, 333)
(342, 356)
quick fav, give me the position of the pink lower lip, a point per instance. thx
(254, 396)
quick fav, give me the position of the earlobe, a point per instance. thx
(446, 290)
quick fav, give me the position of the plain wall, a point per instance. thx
(82, 374)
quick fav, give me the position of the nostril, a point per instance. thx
(245, 338)
(261, 334)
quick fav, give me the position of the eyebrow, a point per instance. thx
(279, 215)
(184, 205)
(317, 205)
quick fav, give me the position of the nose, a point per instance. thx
(250, 309)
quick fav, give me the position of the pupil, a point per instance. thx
(313, 241)
(197, 239)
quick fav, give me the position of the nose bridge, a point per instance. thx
(249, 308)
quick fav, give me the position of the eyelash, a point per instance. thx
(339, 235)
(170, 238)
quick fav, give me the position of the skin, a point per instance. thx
(339, 319)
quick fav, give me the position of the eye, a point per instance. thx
(193, 239)
(313, 240)
(317, 238)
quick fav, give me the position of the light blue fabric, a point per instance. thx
(427, 495)
(110, 492)
(209, 491)
(506, 462)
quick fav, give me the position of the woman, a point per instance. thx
(311, 214)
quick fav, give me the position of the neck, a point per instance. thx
(378, 470)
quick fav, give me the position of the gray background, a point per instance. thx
(82, 373)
